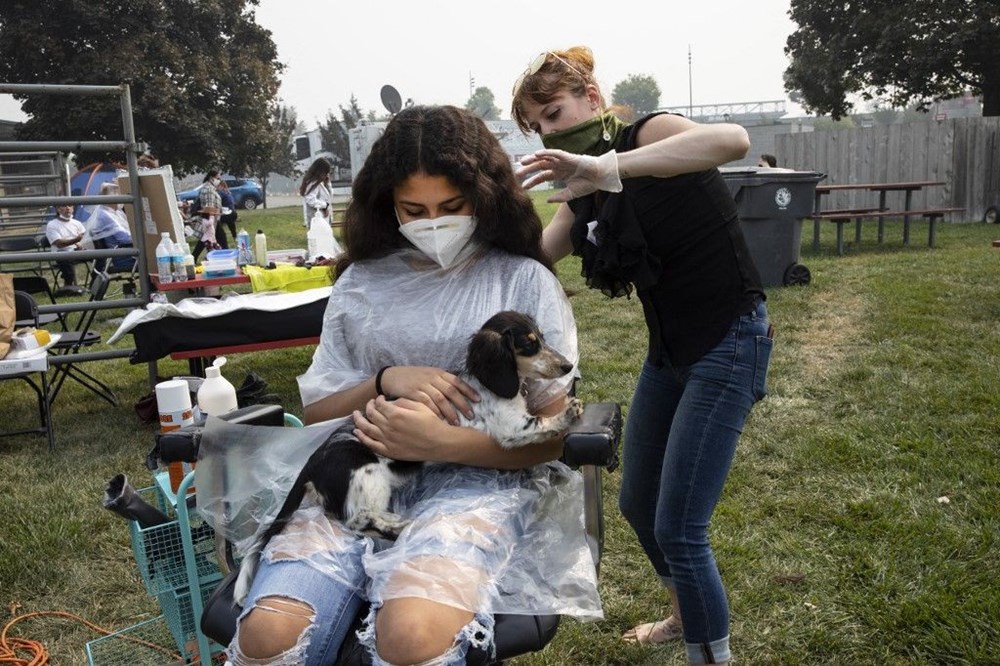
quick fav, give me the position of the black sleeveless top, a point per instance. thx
(678, 242)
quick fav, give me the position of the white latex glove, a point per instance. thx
(583, 174)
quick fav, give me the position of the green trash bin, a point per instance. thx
(772, 204)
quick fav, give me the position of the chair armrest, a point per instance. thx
(182, 445)
(593, 438)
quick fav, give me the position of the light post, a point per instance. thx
(690, 89)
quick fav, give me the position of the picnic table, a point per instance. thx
(842, 216)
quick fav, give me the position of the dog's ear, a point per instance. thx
(491, 361)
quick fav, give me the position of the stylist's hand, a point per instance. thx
(400, 429)
(442, 392)
(583, 174)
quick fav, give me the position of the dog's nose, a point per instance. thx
(566, 367)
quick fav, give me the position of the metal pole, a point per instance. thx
(139, 237)
(690, 88)
(63, 146)
(65, 201)
(44, 88)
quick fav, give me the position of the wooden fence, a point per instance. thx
(963, 152)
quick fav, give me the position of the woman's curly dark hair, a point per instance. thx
(439, 141)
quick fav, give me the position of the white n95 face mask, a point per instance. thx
(441, 238)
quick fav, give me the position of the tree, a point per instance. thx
(280, 158)
(638, 92)
(483, 104)
(203, 76)
(917, 51)
(333, 132)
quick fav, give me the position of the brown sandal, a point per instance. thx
(655, 633)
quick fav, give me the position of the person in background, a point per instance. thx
(767, 160)
(107, 227)
(147, 161)
(229, 215)
(646, 209)
(316, 192)
(65, 234)
(213, 236)
(439, 238)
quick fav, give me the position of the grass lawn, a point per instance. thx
(859, 524)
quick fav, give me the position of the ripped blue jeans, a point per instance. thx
(466, 526)
(680, 438)
(334, 604)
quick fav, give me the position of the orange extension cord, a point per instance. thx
(37, 654)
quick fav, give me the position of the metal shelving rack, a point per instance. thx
(132, 150)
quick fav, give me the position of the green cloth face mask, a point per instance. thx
(591, 137)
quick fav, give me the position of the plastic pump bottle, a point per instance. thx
(260, 246)
(216, 395)
(245, 254)
(164, 256)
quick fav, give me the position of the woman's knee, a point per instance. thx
(638, 511)
(410, 630)
(275, 626)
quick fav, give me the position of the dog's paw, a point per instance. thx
(384, 524)
(574, 408)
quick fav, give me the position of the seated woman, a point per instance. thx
(439, 237)
(107, 228)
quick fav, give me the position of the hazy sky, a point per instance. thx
(427, 50)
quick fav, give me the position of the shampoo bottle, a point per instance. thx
(216, 395)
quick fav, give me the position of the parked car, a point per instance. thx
(246, 192)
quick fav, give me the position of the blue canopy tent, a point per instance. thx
(88, 180)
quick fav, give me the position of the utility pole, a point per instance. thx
(690, 89)
(472, 84)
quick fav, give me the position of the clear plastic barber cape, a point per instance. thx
(405, 310)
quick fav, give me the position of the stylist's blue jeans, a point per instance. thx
(680, 437)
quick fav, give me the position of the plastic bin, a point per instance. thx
(772, 204)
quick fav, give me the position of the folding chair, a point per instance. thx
(72, 341)
(36, 284)
(121, 269)
(26, 309)
(44, 245)
(21, 243)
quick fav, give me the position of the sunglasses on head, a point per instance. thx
(536, 65)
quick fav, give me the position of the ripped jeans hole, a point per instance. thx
(275, 630)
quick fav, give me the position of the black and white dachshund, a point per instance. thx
(354, 484)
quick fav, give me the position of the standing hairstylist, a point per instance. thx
(646, 208)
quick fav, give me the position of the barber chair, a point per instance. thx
(591, 445)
